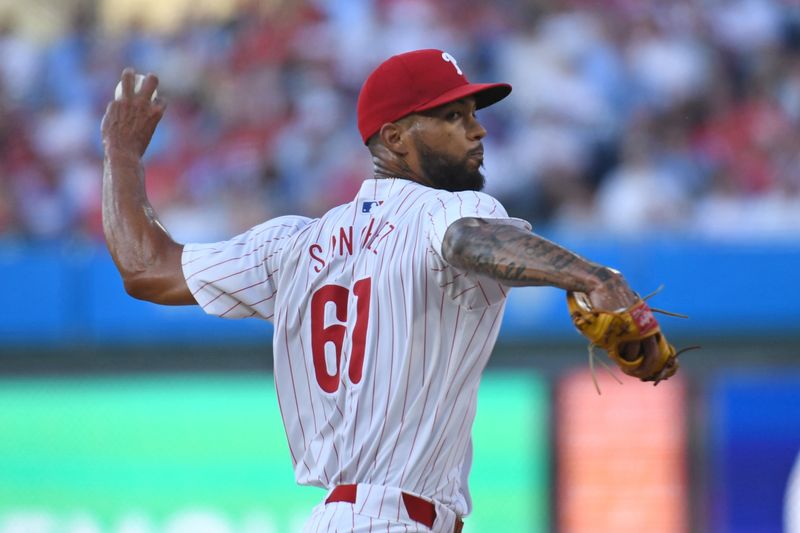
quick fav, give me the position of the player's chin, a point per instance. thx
(474, 163)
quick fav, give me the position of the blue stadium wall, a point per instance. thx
(74, 296)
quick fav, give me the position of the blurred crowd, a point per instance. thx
(627, 117)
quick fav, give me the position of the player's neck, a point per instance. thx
(379, 172)
(386, 164)
(384, 176)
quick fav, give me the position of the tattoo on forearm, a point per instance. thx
(563, 261)
(508, 254)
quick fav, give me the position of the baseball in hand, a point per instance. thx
(137, 86)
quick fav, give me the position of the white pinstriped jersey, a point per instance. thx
(379, 344)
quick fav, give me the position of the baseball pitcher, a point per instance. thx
(385, 309)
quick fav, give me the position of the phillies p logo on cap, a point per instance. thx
(451, 59)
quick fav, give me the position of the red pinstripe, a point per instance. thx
(308, 378)
(231, 259)
(412, 204)
(441, 309)
(397, 211)
(483, 292)
(465, 290)
(408, 366)
(425, 403)
(222, 278)
(256, 284)
(380, 508)
(234, 274)
(268, 298)
(280, 408)
(231, 308)
(366, 499)
(441, 439)
(452, 280)
(294, 386)
(424, 361)
(461, 387)
(214, 251)
(330, 521)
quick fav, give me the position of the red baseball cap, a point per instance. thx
(416, 81)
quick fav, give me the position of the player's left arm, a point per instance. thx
(516, 257)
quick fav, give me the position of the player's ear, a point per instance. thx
(394, 137)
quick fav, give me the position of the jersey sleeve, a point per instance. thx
(238, 278)
(467, 289)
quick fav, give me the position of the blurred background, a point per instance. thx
(659, 138)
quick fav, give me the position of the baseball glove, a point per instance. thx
(611, 330)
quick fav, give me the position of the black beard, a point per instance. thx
(447, 173)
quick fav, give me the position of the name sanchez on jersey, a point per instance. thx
(370, 238)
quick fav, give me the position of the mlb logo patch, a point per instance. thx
(366, 207)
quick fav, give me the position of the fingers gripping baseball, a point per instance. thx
(130, 121)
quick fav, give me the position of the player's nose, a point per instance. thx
(476, 130)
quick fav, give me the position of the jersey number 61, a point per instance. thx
(335, 333)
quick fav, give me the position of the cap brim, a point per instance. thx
(485, 95)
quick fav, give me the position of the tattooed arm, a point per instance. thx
(516, 257)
